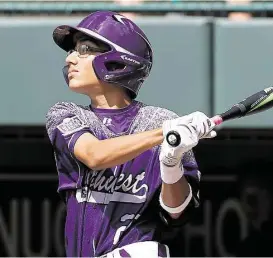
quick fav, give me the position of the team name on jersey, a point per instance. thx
(101, 188)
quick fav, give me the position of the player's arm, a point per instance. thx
(174, 195)
(176, 192)
(99, 154)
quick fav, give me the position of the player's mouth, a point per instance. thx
(71, 73)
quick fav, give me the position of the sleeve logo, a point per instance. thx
(71, 125)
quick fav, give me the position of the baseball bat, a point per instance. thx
(253, 104)
(258, 102)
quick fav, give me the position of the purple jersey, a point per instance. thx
(110, 208)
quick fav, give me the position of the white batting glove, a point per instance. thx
(170, 156)
(191, 128)
(202, 124)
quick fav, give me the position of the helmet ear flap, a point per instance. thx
(115, 66)
(131, 65)
(131, 77)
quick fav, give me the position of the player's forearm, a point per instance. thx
(173, 195)
(115, 151)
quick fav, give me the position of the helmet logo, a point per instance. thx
(119, 18)
(124, 57)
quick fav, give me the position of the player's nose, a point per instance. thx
(71, 58)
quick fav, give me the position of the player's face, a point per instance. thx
(81, 75)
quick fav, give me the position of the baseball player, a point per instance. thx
(126, 189)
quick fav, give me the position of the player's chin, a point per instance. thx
(76, 85)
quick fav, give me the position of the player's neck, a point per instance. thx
(108, 96)
(110, 101)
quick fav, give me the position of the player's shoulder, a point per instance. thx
(60, 107)
(152, 117)
(159, 112)
(64, 109)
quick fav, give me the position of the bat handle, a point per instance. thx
(217, 119)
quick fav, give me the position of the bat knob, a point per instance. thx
(173, 138)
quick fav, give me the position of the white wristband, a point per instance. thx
(179, 208)
(171, 175)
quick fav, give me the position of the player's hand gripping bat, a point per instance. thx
(255, 103)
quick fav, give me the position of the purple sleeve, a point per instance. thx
(64, 128)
